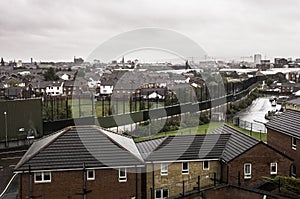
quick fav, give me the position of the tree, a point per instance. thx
(80, 73)
(2, 62)
(50, 75)
(13, 83)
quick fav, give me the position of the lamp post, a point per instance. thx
(5, 120)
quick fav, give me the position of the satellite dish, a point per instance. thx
(32, 133)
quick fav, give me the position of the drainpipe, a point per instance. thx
(30, 183)
(21, 184)
(153, 183)
(136, 182)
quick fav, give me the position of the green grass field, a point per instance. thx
(102, 108)
(203, 129)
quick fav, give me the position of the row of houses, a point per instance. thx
(91, 162)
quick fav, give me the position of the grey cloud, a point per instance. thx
(58, 29)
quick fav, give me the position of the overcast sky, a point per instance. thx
(59, 30)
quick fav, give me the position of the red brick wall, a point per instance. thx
(283, 143)
(260, 158)
(67, 185)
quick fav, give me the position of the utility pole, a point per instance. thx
(5, 120)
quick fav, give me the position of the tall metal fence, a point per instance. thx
(110, 121)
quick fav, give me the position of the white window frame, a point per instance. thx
(164, 169)
(185, 171)
(43, 177)
(294, 146)
(161, 193)
(123, 178)
(87, 174)
(271, 165)
(246, 174)
(208, 165)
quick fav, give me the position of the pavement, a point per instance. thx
(8, 160)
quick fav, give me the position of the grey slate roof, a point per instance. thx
(237, 144)
(73, 146)
(294, 101)
(189, 147)
(287, 123)
(148, 146)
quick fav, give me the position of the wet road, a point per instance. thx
(255, 114)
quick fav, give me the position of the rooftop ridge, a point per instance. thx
(27, 156)
(134, 151)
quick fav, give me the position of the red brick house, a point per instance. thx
(79, 162)
(246, 160)
(283, 134)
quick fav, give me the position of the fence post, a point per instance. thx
(239, 178)
(67, 108)
(227, 175)
(215, 179)
(183, 188)
(198, 183)
(260, 135)
(102, 99)
(79, 108)
(279, 185)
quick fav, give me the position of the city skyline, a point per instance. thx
(52, 31)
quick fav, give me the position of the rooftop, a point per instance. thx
(294, 101)
(287, 123)
(237, 144)
(186, 147)
(73, 146)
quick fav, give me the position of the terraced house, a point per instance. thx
(91, 162)
(179, 164)
(283, 134)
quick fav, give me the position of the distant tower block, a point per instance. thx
(257, 59)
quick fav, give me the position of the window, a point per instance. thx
(294, 143)
(247, 171)
(90, 174)
(164, 169)
(185, 168)
(273, 168)
(122, 175)
(161, 193)
(42, 177)
(293, 171)
(206, 165)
